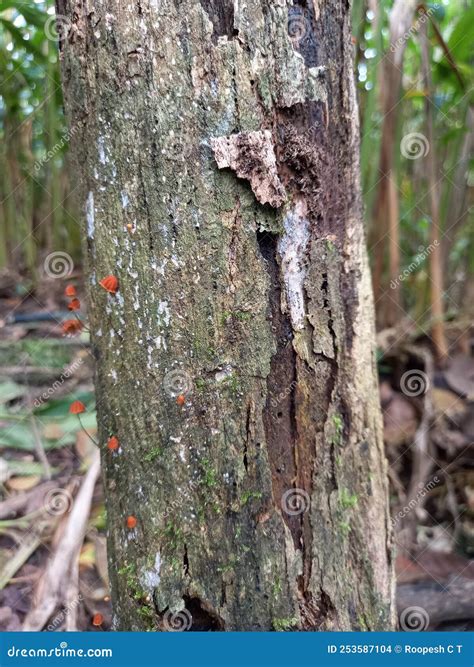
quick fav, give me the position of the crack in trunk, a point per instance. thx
(279, 413)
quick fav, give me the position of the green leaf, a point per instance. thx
(70, 425)
(18, 38)
(60, 407)
(17, 436)
(31, 14)
(10, 390)
(25, 468)
(462, 37)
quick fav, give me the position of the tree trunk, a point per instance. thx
(387, 210)
(217, 145)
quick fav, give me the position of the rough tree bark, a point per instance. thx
(216, 143)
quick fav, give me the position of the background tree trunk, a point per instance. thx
(235, 363)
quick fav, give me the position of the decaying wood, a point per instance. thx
(423, 462)
(27, 547)
(55, 584)
(24, 502)
(440, 602)
(260, 494)
(252, 156)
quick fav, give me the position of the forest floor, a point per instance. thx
(52, 510)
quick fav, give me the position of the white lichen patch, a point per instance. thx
(136, 300)
(224, 373)
(164, 313)
(292, 248)
(125, 199)
(109, 21)
(252, 156)
(90, 215)
(150, 351)
(101, 150)
(160, 343)
(150, 579)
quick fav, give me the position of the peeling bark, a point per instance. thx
(252, 157)
(262, 500)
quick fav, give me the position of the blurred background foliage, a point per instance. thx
(37, 207)
(450, 39)
(36, 213)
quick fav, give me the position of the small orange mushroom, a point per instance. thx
(71, 327)
(131, 522)
(77, 408)
(97, 620)
(74, 304)
(113, 444)
(109, 283)
(181, 399)
(70, 290)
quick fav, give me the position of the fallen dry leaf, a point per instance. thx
(87, 555)
(460, 375)
(53, 432)
(23, 483)
(447, 403)
(400, 421)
